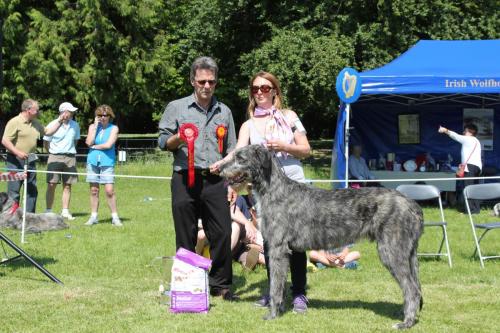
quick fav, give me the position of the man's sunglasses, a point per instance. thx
(103, 115)
(264, 88)
(203, 82)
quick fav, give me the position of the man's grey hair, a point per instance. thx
(28, 104)
(203, 63)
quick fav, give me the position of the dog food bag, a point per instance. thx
(189, 286)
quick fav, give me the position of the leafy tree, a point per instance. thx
(135, 55)
(92, 52)
(307, 68)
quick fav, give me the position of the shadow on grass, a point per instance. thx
(385, 309)
(108, 220)
(433, 259)
(80, 214)
(21, 262)
(243, 288)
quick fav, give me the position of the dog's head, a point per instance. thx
(249, 164)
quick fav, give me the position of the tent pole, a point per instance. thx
(346, 140)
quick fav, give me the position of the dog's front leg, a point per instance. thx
(279, 262)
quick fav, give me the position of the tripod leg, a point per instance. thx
(27, 257)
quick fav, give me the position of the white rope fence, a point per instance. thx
(398, 180)
(311, 181)
(307, 180)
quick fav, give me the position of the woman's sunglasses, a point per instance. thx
(263, 88)
(103, 115)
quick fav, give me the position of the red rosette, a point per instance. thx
(220, 132)
(188, 133)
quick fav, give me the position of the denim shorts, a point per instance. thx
(100, 174)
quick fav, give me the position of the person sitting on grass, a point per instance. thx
(339, 258)
(251, 242)
(246, 241)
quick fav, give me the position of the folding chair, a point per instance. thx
(481, 192)
(430, 192)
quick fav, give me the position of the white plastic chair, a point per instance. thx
(481, 192)
(430, 192)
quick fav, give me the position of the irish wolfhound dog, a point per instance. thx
(299, 217)
(34, 222)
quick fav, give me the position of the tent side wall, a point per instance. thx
(375, 126)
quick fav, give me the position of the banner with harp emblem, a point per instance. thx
(348, 85)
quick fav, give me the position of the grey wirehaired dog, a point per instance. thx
(34, 222)
(300, 217)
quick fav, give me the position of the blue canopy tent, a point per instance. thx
(434, 79)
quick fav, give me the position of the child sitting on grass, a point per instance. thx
(339, 258)
(246, 240)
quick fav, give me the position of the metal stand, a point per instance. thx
(27, 257)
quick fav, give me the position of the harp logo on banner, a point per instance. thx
(348, 85)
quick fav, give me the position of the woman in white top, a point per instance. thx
(471, 157)
(281, 131)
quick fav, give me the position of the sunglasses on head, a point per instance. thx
(203, 82)
(263, 88)
(103, 115)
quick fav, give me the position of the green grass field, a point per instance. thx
(111, 286)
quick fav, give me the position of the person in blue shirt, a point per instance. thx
(101, 139)
(359, 170)
(62, 158)
(357, 165)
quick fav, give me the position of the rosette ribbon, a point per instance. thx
(221, 131)
(188, 133)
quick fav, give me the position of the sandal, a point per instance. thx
(252, 257)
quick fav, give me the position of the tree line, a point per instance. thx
(135, 55)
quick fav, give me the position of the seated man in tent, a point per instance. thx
(358, 169)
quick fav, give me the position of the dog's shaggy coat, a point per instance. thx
(299, 217)
(34, 222)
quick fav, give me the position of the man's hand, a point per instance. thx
(442, 129)
(21, 155)
(174, 142)
(214, 168)
(13, 150)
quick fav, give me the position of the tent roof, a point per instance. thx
(439, 67)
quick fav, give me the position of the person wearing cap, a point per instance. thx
(62, 158)
(20, 139)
